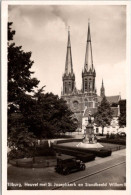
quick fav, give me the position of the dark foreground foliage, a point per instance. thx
(31, 115)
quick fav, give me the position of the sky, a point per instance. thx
(43, 30)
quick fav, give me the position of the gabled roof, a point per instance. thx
(111, 99)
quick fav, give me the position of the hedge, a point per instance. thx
(41, 151)
(113, 141)
(103, 153)
(74, 151)
(81, 155)
(86, 157)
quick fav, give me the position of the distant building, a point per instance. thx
(85, 100)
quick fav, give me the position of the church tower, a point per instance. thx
(88, 74)
(68, 76)
(102, 93)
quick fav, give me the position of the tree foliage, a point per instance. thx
(20, 84)
(20, 81)
(122, 117)
(11, 32)
(31, 114)
(49, 116)
(104, 114)
(20, 140)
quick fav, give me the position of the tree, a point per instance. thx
(20, 140)
(20, 85)
(49, 116)
(122, 117)
(30, 114)
(104, 114)
(20, 81)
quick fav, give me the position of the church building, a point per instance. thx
(86, 100)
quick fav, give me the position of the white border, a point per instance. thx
(4, 97)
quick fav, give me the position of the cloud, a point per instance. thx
(42, 29)
(114, 78)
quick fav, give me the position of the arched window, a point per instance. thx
(75, 104)
(85, 84)
(65, 88)
(93, 84)
(69, 86)
(90, 84)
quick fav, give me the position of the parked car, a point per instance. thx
(67, 164)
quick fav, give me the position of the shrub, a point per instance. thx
(86, 157)
(44, 143)
(103, 153)
(107, 135)
(41, 151)
(15, 154)
(112, 136)
(81, 151)
(113, 141)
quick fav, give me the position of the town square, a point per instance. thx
(67, 97)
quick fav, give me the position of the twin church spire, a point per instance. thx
(68, 63)
(88, 75)
(88, 56)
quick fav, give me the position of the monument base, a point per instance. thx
(89, 145)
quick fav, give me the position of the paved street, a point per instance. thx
(113, 178)
(102, 171)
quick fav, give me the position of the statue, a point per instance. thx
(89, 140)
(89, 132)
(89, 119)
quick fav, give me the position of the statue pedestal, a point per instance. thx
(89, 135)
(89, 140)
(86, 145)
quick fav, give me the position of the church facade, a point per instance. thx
(85, 100)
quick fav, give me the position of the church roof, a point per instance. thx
(94, 110)
(111, 99)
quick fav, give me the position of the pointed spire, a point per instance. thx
(68, 63)
(68, 43)
(102, 89)
(88, 55)
(102, 83)
(89, 34)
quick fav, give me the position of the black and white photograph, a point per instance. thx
(67, 96)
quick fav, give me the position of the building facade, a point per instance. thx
(85, 100)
